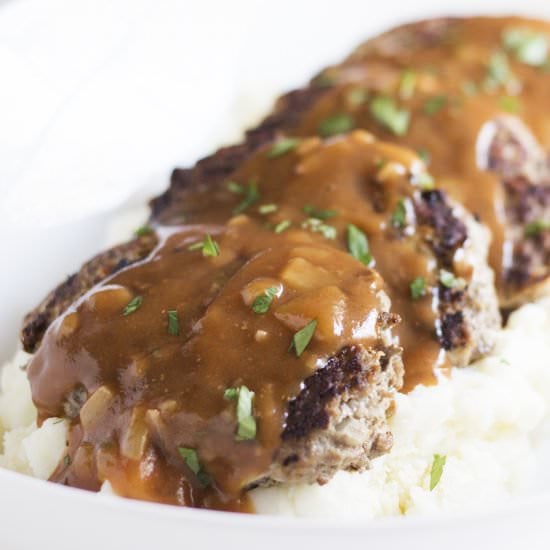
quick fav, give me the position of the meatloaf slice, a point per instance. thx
(507, 148)
(140, 396)
(440, 74)
(91, 273)
(339, 421)
(468, 313)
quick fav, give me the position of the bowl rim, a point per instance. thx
(509, 508)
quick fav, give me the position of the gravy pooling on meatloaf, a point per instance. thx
(432, 86)
(430, 252)
(154, 368)
(269, 289)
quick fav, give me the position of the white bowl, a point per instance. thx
(98, 101)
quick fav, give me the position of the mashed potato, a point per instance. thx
(491, 421)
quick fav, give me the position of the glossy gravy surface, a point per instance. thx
(137, 391)
(356, 180)
(451, 77)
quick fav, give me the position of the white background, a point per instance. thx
(99, 100)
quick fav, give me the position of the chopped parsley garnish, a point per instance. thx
(250, 192)
(528, 45)
(235, 187)
(246, 423)
(357, 96)
(358, 245)
(317, 226)
(510, 103)
(407, 84)
(208, 246)
(418, 288)
(448, 279)
(336, 124)
(535, 228)
(469, 88)
(319, 213)
(133, 305)
(263, 301)
(282, 226)
(424, 154)
(498, 71)
(143, 230)
(434, 104)
(267, 208)
(303, 337)
(399, 215)
(425, 181)
(437, 470)
(386, 112)
(67, 460)
(282, 147)
(173, 322)
(192, 461)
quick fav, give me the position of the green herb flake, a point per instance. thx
(498, 71)
(133, 305)
(358, 245)
(437, 470)
(282, 226)
(424, 154)
(425, 181)
(407, 84)
(67, 460)
(263, 301)
(528, 45)
(282, 147)
(173, 322)
(208, 246)
(399, 215)
(235, 187)
(535, 228)
(434, 104)
(251, 195)
(510, 103)
(143, 230)
(231, 394)
(319, 213)
(448, 279)
(192, 461)
(246, 423)
(385, 111)
(418, 288)
(336, 124)
(357, 96)
(303, 337)
(317, 226)
(267, 209)
(469, 88)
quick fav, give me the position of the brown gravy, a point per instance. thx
(450, 83)
(137, 391)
